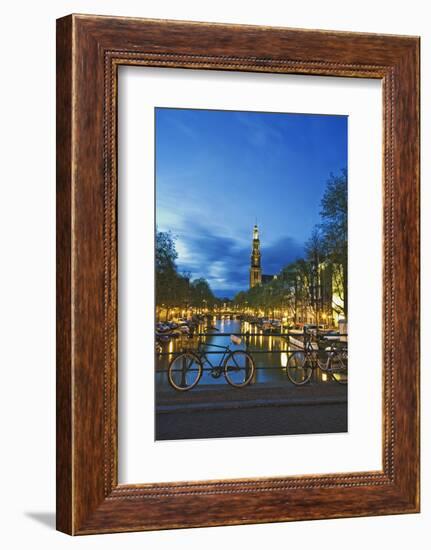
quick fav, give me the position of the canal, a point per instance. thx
(270, 354)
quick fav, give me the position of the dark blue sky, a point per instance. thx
(217, 172)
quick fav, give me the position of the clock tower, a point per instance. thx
(255, 269)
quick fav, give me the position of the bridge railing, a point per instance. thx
(192, 342)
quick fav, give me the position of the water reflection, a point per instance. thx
(270, 367)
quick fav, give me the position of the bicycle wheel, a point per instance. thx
(185, 371)
(298, 368)
(321, 356)
(239, 368)
(338, 368)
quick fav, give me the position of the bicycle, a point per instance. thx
(332, 360)
(186, 369)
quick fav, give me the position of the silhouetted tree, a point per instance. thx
(334, 230)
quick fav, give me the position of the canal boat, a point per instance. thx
(296, 341)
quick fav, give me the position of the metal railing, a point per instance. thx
(245, 336)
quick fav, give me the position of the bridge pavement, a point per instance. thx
(224, 411)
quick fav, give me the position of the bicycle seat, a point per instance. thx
(235, 339)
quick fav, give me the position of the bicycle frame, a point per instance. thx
(312, 354)
(204, 357)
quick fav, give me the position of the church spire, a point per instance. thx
(255, 232)
(255, 269)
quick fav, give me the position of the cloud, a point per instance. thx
(259, 129)
(283, 251)
(224, 261)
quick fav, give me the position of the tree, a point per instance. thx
(172, 289)
(290, 277)
(334, 229)
(166, 253)
(315, 255)
(315, 247)
(201, 292)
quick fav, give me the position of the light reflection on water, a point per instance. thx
(270, 367)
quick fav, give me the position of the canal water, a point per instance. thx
(270, 354)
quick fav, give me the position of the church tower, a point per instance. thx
(255, 269)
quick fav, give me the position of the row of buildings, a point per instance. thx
(311, 293)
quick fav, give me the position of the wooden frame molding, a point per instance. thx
(89, 51)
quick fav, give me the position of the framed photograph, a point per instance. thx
(237, 274)
(223, 324)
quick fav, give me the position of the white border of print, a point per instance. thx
(141, 458)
